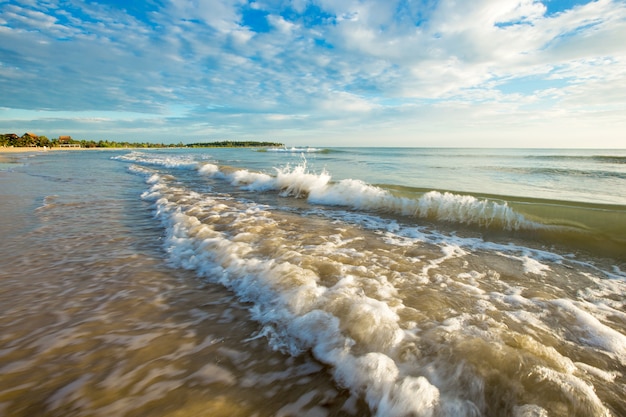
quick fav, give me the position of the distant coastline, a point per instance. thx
(235, 144)
(11, 142)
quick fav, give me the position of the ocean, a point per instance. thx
(313, 282)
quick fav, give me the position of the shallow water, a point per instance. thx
(209, 283)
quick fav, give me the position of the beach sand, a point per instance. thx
(33, 149)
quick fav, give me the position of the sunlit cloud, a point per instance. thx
(341, 71)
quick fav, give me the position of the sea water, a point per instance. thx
(313, 282)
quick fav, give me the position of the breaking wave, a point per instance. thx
(409, 319)
(298, 182)
(597, 227)
(294, 149)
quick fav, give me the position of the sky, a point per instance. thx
(479, 73)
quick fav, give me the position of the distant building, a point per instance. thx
(29, 139)
(66, 142)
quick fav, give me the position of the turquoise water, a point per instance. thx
(325, 282)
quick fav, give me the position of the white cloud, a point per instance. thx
(221, 15)
(385, 66)
(281, 24)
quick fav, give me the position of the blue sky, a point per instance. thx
(502, 73)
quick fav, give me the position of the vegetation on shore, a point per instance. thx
(234, 144)
(32, 140)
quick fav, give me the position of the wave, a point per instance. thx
(562, 172)
(598, 227)
(343, 290)
(609, 159)
(319, 189)
(297, 312)
(155, 159)
(296, 149)
(350, 316)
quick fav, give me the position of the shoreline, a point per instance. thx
(22, 150)
(12, 150)
(35, 149)
(9, 154)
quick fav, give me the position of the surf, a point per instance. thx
(600, 228)
(322, 282)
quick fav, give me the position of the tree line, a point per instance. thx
(32, 140)
(235, 144)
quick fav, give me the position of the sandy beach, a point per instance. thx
(9, 149)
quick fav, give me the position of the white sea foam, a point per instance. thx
(533, 266)
(299, 314)
(592, 331)
(253, 181)
(470, 210)
(208, 169)
(529, 410)
(138, 169)
(295, 149)
(578, 393)
(298, 182)
(352, 193)
(165, 160)
(357, 325)
(530, 260)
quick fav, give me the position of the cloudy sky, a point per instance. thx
(505, 73)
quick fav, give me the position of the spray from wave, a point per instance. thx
(294, 149)
(298, 182)
(318, 188)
